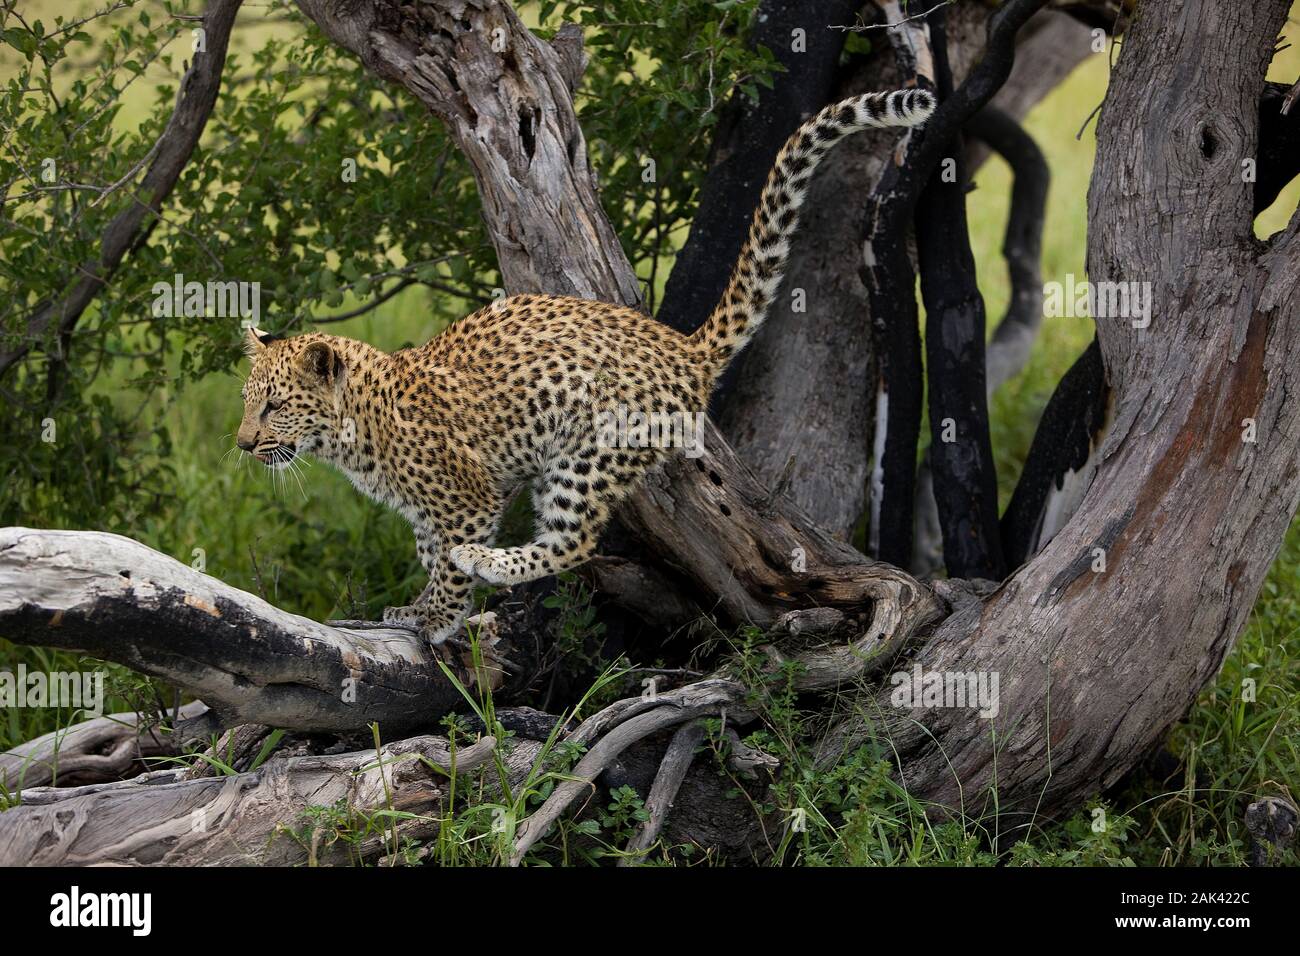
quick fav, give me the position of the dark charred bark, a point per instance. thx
(1068, 434)
(888, 277)
(961, 454)
(890, 283)
(1279, 145)
(1012, 341)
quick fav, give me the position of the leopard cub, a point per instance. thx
(534, 388)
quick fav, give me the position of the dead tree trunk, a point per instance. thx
(1104, 639)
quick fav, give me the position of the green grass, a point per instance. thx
(324, 551)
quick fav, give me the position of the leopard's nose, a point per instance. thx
(246, 444)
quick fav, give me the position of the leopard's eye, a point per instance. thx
(271, 406)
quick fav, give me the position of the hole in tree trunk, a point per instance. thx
(1209, 143)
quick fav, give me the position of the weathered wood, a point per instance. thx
(103, 748)
(761, 557)
(249, 661)
(256, 818)
(641, 720)
(286, 811)
(1095, 665)
(254, 663)
(677, 761)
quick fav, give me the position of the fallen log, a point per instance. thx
(111, 747)
(270, 816)
(251, 662)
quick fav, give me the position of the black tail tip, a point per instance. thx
(919, 101)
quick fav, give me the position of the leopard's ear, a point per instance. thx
(321, 363)
(256, 340)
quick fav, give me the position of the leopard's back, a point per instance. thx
(535, 370)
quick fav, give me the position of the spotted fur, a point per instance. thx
(446, 432)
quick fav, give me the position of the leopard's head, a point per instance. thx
(291, 398)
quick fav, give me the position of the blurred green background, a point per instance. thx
(151, 408)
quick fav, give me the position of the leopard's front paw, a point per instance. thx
(431, 625)
(437, 634)
(408, 615)
(479, 562)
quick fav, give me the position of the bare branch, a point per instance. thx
(893, 24)
(195, 100)
(672, 771)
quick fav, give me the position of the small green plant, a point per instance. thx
(320, 828)
(577, 632)
(623, 816)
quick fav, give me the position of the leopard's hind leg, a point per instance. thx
(573, 499)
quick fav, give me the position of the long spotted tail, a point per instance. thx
(757, 274)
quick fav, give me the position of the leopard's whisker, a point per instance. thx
(297, 476)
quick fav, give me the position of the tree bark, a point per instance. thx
(1013, 340)
(257, 818)
(797, 393)
(1095, 665)
(250, 662)
(961, 452)
(112, 747)
(816, 359)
